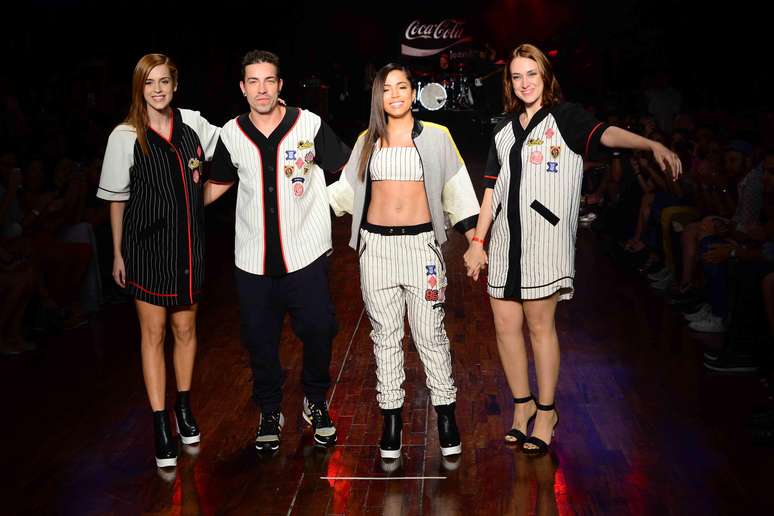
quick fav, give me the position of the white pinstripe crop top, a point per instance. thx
(396, 164)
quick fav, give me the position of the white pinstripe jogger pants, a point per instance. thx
(399, 272)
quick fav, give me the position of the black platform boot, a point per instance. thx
(448, 435)
(166, 447)
(389, 446)
(186, 424)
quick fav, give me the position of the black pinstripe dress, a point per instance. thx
(163, 227)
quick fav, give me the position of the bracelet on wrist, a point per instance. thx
(476, 239)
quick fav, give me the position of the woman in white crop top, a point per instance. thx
(401, 266)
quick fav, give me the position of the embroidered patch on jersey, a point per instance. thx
(193, 163)
(553, 166)
(309, 157)
(430, 270)
(307, 167)
(290, 155)
(196, 176)
(289, 170)
(431, 295)
(442, 295)
(534, 141)
(555, 151)
(305, 144)
(550, 132)
(432, 281)
(298, 186)
(199, 151)
(300, 163)
(536, 157)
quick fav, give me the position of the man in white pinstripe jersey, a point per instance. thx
(283, 237)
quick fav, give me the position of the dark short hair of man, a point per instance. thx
(260, 56)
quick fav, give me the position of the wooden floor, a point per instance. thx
(644, 429)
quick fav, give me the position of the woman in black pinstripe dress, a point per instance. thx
(151, 175)
(533, 178)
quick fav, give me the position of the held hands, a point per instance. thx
(667, 159)
(475, 260)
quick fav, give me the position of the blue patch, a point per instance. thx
(553, 166)
(290, 155)
(430, 270)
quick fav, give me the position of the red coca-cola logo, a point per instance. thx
(446, 29)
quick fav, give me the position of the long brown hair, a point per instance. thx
(552, 93)
(138, 111)
(377, 124)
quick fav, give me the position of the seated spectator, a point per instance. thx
(18, 283)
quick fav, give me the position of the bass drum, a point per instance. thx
(432, 96)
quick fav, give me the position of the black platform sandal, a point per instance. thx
(514, 435)
(541, 447)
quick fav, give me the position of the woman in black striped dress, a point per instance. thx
(151, 175)
(533, 179)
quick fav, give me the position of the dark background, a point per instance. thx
(716, 56)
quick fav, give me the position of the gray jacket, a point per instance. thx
(447, 184)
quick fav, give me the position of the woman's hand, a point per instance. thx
(475, 260)
(119, 271)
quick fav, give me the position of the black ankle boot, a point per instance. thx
(389, 446)
(166, 447)
(186, 424)
(448, 435)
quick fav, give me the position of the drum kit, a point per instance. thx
(452, 92)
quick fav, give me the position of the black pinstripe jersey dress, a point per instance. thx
(163, 226)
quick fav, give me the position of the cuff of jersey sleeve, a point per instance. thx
(109, 195)
(489, 181)
(467, 224)
(221, 178)
(341, 197)
(594, 140)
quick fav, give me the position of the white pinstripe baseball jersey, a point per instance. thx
(282, 217)
(536, 173)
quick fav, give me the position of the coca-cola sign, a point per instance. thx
(426, 39)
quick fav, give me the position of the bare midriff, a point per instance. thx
(398, 203)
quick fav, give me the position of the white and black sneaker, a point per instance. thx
(699, 314)
(268, 437)
(316, 414)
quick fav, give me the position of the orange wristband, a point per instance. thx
(476, 239)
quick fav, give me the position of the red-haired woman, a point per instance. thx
(151, 175)
(533, 189)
